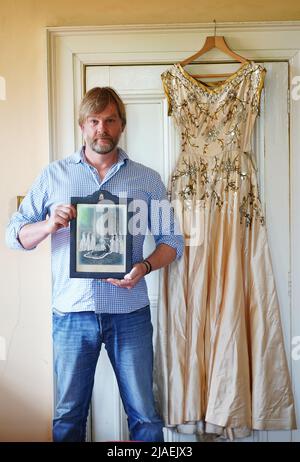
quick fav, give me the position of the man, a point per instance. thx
(89, 312)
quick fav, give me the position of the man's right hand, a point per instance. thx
(60, 217)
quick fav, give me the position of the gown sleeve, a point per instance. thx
(167, 79)
(258, 84)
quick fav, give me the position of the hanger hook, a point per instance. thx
(215, 28)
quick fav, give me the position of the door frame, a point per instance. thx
(70, 49)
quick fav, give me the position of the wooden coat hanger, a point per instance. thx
(213, 41)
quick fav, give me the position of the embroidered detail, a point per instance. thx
(210, 183)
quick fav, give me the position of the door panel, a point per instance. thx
(151, 138)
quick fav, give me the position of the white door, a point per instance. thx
(150, 138)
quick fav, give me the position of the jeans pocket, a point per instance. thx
(58, 313)
(141, 310)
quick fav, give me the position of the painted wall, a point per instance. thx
(25, 321)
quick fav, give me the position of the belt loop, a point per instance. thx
(99, 320)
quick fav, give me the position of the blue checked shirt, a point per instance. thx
(73, 176)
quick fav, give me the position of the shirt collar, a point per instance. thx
(78, 156)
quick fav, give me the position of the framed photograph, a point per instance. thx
(101, 245)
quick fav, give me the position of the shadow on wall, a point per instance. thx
(20, 421)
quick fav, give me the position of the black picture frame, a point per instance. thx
(100, 241)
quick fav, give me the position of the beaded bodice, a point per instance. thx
(216, 124)
(214, 118)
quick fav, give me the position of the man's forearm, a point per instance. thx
(162, 256)
(34, 233)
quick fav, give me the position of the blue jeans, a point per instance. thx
(77, 339)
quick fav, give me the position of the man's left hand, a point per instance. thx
(130, 279)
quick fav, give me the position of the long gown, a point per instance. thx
(220, 364)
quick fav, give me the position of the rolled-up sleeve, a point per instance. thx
(162, 221)
(32, 209)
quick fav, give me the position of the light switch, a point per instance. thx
(2, 349)
(2, 88)
(19, 200)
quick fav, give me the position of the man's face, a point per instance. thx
(102, 132)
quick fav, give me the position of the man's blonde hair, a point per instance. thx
(96, 100)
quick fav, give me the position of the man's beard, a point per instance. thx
(109, 146)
